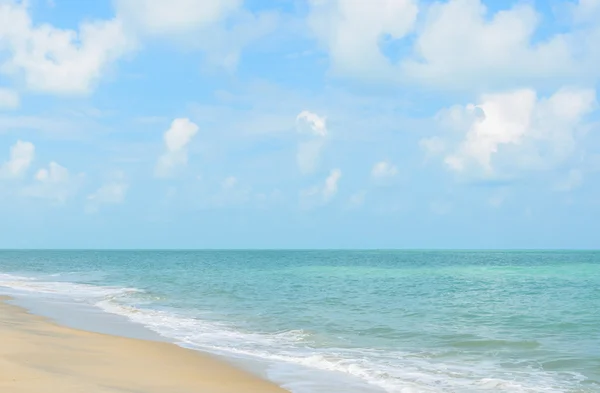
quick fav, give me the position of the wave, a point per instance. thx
(75, 290)
(389, 371)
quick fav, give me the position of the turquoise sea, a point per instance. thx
(348, 321)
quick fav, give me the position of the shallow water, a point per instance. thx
(353, 321)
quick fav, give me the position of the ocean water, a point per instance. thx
(350, 321)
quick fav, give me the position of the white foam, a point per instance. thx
(392, 372)
(5, 277)
(77, 291)
(389, 371)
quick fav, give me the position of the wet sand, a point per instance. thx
(39, 356)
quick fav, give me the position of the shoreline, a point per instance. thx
(37, 354)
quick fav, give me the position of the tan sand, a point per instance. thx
(38, 356)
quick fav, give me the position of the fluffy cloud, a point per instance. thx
(177, 138)
(9, 99)
(485, 46)
(352, 31)
(323, 193)
(485, 50)
(311, 123)
(510, 132)
(313, 131)
(21, 157)
(112, 192)
(54, 183)
(58, 60)
(66, 61)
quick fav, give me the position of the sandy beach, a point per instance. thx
(37, 355)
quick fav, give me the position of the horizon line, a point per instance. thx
(300, 249)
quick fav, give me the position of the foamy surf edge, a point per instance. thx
(294, 348)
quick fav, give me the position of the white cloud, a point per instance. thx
(510, 132)
(322, 193)
(352, 31)
(54, 183)
(55, 173)
(9, 99)
(313, 131)
(112, 192)
(177, 139)
(67, 61)
(484, 50)
(174, 17)
(383, 170)
(221, 28)
(21, 157)
(58, 60)
(311, 123)
(331, 184)
(586, 10)
(485, 46)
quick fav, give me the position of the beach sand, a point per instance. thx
(37, 355)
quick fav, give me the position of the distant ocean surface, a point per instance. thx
(351, 321)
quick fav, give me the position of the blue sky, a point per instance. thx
(299, 124)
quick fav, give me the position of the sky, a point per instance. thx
(299, 124)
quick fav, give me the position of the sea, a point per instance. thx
(341, 321)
